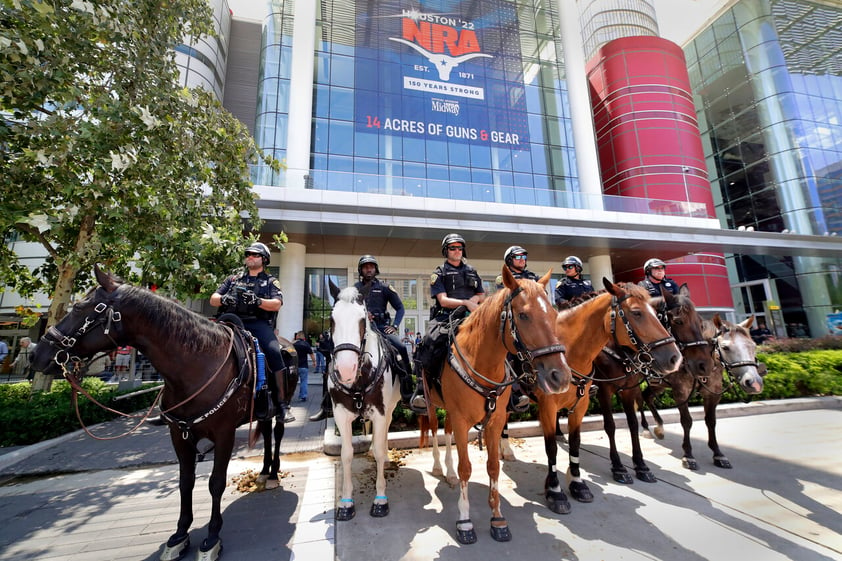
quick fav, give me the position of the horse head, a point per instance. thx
(738, 353)
(530, 318)
(642, 330)
(91, 326)
(349, 328)
(686, 325)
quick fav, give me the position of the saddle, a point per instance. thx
(246, 352)
(435, 346)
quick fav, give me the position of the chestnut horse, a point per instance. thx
(616, 373)
(208, 389)
(735, 355)
(474, 386)
(362, 383)
(623, 314)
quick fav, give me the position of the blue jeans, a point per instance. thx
(320, 362)
(303, 374)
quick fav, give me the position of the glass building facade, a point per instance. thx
(767, 78)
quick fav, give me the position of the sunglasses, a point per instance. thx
(519, 257)
(568, 266)
(455, 248)
(251, 254)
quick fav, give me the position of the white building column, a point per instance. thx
(299, 129)
(581, 114)
(291, 277)
(600, 266)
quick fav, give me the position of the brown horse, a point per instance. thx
(207, 388)
(623, 314)
(735, 355)
(518, 318)
(617, 373)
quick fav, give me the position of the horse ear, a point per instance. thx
(106, 280)
(747, 322)
(611, 287)
(684, 290)
(509, 280)
(668, 297)
(717, 321)
(543, 281)
(333, 289)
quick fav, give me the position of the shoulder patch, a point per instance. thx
(277, 284)
(392, 288)
(499, 279)
(433, 278)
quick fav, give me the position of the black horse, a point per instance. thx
(208, 370)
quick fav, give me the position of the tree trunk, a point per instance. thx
(67, 271)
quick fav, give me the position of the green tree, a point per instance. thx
(106, 159)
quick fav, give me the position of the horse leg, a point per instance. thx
(719, 459)
(649, 397)
(451, 476)
(178, 543)
(346, 509)
(465, 532)
(629, 398)
(688, 460)
(618, 470)
(556, 498)
(212, 546)
(506, 451)
(434, 431)
(578, 488)
(265, 428)
(499, 526)
(379, 447)
(273, 482)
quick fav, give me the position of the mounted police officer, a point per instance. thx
(572, 285)
(378, 296)
(656, 277)
(255, 297)
(515, 259)
(454, 285)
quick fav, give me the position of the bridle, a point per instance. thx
(356, 392)
(642, 360)
(104, 316)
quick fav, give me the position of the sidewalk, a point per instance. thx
(119, 499)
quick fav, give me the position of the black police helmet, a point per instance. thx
(654, 262)
(573, 260)
(451, 239)
(261, 250)
(368, 259)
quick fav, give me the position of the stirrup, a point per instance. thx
(418, 404)
(519, 402)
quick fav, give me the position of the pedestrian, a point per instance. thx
(325, 346)
(656, 277)
(304, 352)
(455, 286)
(255, 297)
(22, 365)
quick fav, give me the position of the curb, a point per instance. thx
(409, 439)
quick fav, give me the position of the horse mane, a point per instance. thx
(348, 294)
(489, 311)
(183, 326)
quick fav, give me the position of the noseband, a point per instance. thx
(523, 354)
(643, 358)
(363, 367)
(104, 316)
(725, 364)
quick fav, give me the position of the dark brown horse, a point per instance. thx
(207, 388)
(735, 354)
(519, 318)
(623, 314)
(616, 372)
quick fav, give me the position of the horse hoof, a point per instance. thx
(379, 511)
(261, 479)
(508, 456)
(659, 433)
(209, 553)
(500, 533)
(622, 476)
(272, 484)
(465, 536)
(645, 475)
(580, 492)
(690, 463)
(176, 550)
(647, 434)
(722, 462)
(344, 513)
(453, 481)
(557, 502)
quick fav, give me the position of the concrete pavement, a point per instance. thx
(85, 499)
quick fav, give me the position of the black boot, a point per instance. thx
(325, 411)
(518, 401)
(264, 408)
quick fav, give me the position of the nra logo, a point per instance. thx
(446, 42)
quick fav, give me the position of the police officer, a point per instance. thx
(572, 284)
(515, 259)
(255, 297)
(453, 284)
(656, 277)
(379, 296)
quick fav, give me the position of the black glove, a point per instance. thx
(228, 299)
(249, 298)
(389, 329)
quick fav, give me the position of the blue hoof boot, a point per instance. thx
(645, 475)
(500, 533)
(465, 536)
(379, 511)
(580, 492)
(557, 502)
(344, 513)
(622, 476)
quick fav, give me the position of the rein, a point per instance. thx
(364, 367)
